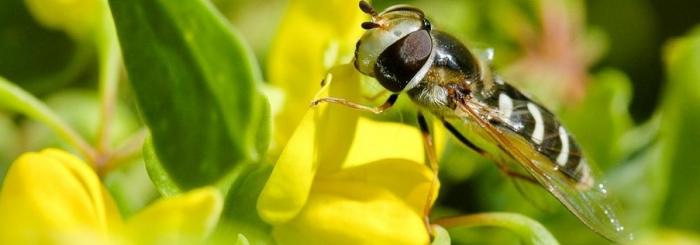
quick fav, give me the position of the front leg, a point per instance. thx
(376, 110)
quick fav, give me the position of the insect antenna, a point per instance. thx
(365, 7)
(369, 25)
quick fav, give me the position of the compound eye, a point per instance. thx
(400, 62)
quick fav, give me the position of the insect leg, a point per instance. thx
(432, 157)
(499, 162)
(376, 110)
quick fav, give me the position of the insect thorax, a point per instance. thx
(453, 73)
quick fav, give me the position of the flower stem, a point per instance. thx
(528, 229)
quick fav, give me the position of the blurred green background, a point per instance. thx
(634, 30)
(645, 101)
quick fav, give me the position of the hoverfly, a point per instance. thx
(402, 51)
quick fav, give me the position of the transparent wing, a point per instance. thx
(592, 205)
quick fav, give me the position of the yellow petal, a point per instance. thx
(376, 195)
(52, 197)
(355, 212)
(373, 141)
(287, 189)
(340, 170)
(186, 219)
(314, 35)
(389, 156)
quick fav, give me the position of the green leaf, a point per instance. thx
(442, 237)
(637, 181)
(33, 57)
(240, 215)
(680, 131)
(158, 175)
(195, 83)
(242, 240)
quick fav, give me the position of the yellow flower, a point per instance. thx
(314, 35)
(341, 178)
(344, 179)
(52, 197)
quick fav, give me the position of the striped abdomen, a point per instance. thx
(537, 125)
